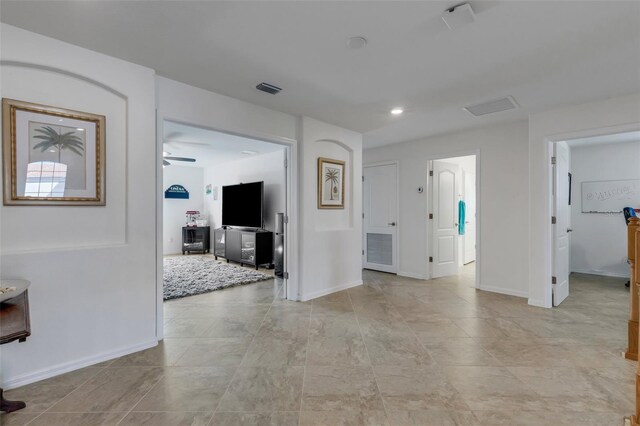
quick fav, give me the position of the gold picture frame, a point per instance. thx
(52, 156)
(331, 181)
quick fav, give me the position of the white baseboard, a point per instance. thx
(66, 367)
(324, 292)
(506, 291)
(602, 273)
(413, 275)
(538, 303)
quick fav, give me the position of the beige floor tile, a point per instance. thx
(413, 388)
(458, 351)
(435, 328)
(256, 419)
(394, 346)
(166, 419)
(42, 395)
(166, 353)
(78, 419)
(264, 389)
(424, 417)
(16, 418)
(186, 327)
(214, 352)
(340, 388)
(113, 389)
(337, 351)
(188, 389)
(544, 418)
(343, 418)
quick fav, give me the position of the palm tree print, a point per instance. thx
(50, 138)
(331, 176)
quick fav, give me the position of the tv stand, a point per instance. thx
(246, 247)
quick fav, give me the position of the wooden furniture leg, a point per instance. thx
(10, 406)
(633, 249)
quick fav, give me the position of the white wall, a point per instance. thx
(503, 201)
(599, 240)
(589, 119)
(174, 209)
(331, 240)
(92, 269)
(267, 167)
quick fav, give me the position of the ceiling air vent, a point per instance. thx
(496, 105)
(268, 88)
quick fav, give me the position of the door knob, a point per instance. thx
(569, 230)
(391, 223)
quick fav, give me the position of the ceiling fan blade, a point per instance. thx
(165, 163)
(173, 135)
(190, 160)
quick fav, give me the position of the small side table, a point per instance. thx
(14, 325)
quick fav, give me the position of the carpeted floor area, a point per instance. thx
(190, 275)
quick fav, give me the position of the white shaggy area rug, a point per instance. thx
(189, 275)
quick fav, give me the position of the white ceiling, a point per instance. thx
(606, 139)
(209, 147)
(543, 53)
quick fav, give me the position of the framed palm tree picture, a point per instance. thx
(330, 183)
(52, 156)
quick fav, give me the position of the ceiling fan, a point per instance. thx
(167, 156)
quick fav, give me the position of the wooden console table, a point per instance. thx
(14, 325)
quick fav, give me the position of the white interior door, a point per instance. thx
(380, 217)
(561, 231)
(446, 187)
(470, 218)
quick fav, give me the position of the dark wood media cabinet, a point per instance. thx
(246, 247)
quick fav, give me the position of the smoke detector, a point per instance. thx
(496, 105)
(458, 16)
(268, 88)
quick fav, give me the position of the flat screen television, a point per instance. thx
(242, 205)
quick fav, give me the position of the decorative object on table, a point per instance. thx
(610, 196)
(195, 238)
(52, 156)
(207, 189)
(201, 220)
(330, 183)
(191, 275)
(12, 288)
(176, 191)
(192, 215)
(14, 325)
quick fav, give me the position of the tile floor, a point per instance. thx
(395, 351)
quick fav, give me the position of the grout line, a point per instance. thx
(373, 370)
(101, 369)
(306, 358)
(235, 373)
(162, 376)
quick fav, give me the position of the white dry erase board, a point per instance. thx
(610, 196)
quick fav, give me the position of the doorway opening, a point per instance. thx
(453, 218)
(225, 209)
(593, 178)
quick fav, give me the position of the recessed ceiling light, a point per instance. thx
(397, 111)
(357, 42)
(248, 152)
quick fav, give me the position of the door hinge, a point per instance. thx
(430, 259)
(430, 172)
(363, 252)
(553, 220)
(285, 163)
(285, 275)
(363, 215)
(553, 160)
(286, 219)
(430, 215)
(553, 280)
(363, 178)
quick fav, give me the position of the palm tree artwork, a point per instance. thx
(332, 175)
(51, 139)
